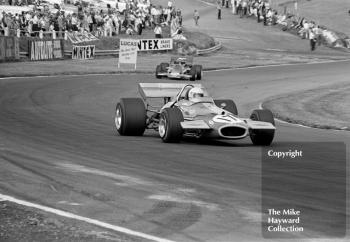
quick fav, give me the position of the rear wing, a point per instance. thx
(188, 59)
(162, 90)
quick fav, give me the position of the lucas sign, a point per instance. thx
(128, 51)
(155, 44)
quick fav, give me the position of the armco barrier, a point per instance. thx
(116, 52)
(210, 50)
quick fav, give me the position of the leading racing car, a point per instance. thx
(178, 110)
(180, 68)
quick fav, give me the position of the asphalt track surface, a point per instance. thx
(59, 148)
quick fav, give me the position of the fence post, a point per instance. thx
(65, 35)
(18, 33)
(41, 34)
(53, 34)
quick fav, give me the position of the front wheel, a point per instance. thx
(262, 136)
(170, 130)
(158, 71)
(130, 116)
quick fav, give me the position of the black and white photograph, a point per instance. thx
(174, 120)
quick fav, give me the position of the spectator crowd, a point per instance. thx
(306, 29)
(125, 17)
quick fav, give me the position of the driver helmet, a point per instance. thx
(195, 93)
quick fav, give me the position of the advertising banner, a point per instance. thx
(86, 52)
(77, 37)
(128, 51)
(46, 49)
(155, 44)
(9, 48)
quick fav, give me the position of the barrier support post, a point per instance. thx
(41, 34)
(53, 34)
(66, 35)
(18, 33)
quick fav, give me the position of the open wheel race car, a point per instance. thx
(180, 68)
(188, 110)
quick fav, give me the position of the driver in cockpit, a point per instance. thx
(195, 94)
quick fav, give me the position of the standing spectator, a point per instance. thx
(244, 8)
(108, 26)
(318, 32)
(138, 25)
(306, 27)
(264, 13)
(312, 37)
(238, 7)
(219, 7)
(74, 22)
(258, 11)
(196, 17)
(60, 25)
(90, 22)
(35, 26)
(158, 31)
(233, 5)
(179, 16)
(116, 21)
(226, 3)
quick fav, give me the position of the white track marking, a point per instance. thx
(180, 199)
(71, 75)
(125, 180)
(277, 50)
(69, 203)
(84, 219)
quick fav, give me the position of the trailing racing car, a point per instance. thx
(178, 110)
(180, 68)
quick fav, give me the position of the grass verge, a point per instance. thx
(325, 108)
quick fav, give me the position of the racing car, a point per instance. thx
(179, 68)
(179, 110)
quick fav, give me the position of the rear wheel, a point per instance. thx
(158, 71)
(198, 72)
(170, 129)
(193, 73)
(262, 136)
(227, 104)
(130, 116)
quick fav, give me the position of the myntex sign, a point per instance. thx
(155, 44)
(83, 52)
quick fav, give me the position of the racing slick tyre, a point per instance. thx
(164, 66)
(227, 104)
(130, 116)
(199, 73)
(261, 136)
(193, 73)
(170, 129)
(158, 70)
